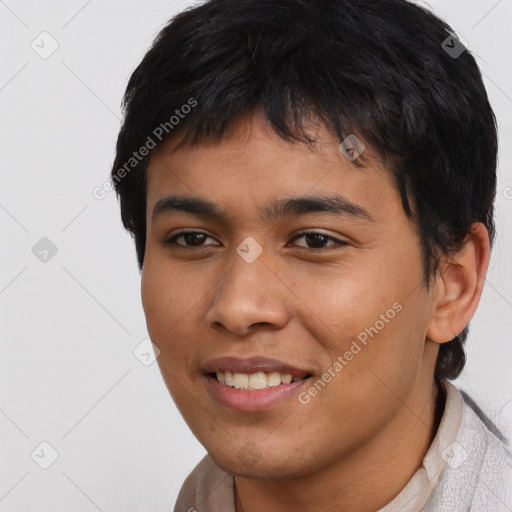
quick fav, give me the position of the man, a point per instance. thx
(313, 223)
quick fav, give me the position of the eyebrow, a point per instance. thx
(276, 210)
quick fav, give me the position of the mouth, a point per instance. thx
(254, 400)
(255, 381)
(253, 384)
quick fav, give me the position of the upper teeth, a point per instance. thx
(258, 380)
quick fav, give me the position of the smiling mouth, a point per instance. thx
(255, 381)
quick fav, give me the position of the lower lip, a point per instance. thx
(257, 400)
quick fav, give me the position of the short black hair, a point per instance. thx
(379, 69)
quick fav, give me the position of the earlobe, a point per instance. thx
(458, 286)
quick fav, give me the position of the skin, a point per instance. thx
(357, 443)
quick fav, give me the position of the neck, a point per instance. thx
(366, 479)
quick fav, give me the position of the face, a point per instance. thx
(290, 260)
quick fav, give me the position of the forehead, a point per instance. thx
(252, 166)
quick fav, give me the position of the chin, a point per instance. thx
(247, 463)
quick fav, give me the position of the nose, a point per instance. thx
(248, 298)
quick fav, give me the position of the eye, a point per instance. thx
(191, 239)
(317, 240)
(311, 240)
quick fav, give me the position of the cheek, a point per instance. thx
(375, 319)
(168, 293)
(166, 299)
(157, 302)
(370, 382)
(341, 304)
(382, 352)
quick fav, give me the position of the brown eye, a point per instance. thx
(191, 239)
(316, 240)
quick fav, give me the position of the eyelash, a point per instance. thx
(172, 240)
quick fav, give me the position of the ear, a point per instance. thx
(458, 286)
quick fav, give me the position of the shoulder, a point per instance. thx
(493, 480)
(207, 488)
(478, 471)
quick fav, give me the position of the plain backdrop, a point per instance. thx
(71, 315)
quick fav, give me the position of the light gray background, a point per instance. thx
(68, 375)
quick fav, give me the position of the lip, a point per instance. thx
(252, 365)
(255, 400)
(252, 401)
